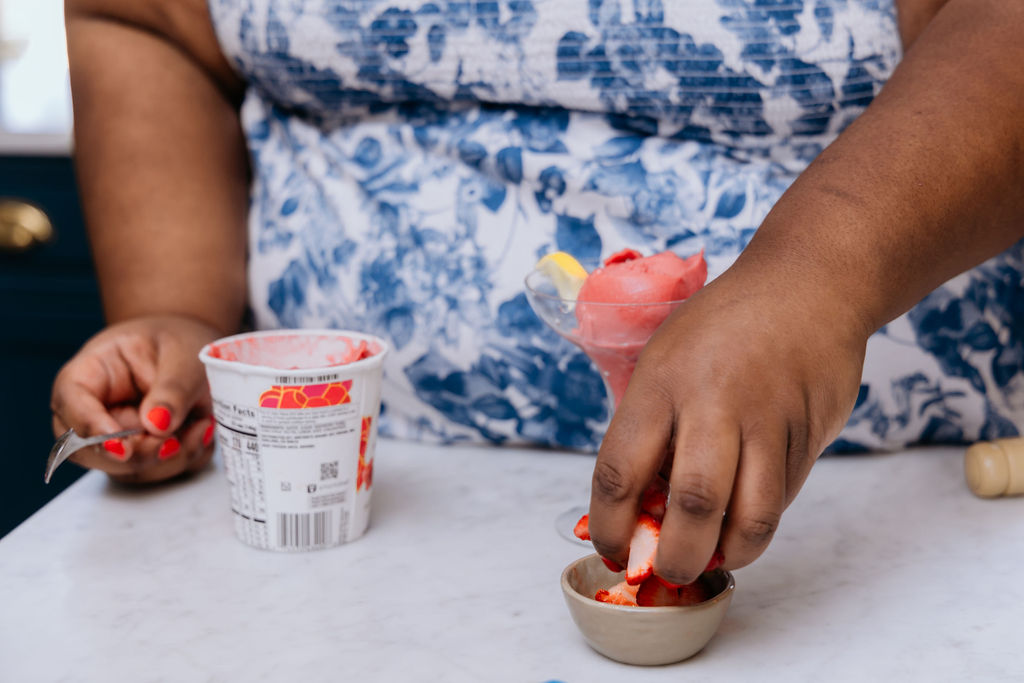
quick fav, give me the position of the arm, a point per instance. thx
(928, 181)
(161, 159)
(163, 173)
(925, 184)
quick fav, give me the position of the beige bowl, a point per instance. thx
(642, 635)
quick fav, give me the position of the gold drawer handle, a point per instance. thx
(22, 226)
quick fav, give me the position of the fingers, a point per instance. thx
(166, 458)
(154, 458)
(758, 497)
(799, 460)
(77, 402)
(143, 374)
(177, 384)
(701, 485)
(197, 444)
(79, 408)
(630, 456)
(729, 483)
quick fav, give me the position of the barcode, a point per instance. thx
(303, 530)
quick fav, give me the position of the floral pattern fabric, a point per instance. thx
(412, 159)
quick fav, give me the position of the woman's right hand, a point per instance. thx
(141, 373)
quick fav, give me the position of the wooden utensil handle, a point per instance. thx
(995, 468)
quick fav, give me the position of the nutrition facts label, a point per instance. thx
(240, 450)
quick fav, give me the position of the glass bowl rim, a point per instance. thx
(533, 291)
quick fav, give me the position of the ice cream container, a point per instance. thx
(296, 414)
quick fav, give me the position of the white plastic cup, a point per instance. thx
(296, 428)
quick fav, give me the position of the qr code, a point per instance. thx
(328, 470)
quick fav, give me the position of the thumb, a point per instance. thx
(178, 383)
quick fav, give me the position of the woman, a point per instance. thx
(408, 164)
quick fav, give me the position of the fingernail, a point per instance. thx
(208, 434)
(159, 417)
(115, 448)
(169, 448)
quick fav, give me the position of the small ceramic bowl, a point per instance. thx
(642, 635)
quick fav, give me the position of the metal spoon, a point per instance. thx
(69, 442)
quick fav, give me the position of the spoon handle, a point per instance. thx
(69, 443)
(93, 440)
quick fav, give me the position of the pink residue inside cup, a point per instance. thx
(294, 351)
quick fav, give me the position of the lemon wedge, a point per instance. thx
(565, 273)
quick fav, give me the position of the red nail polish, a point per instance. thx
(169, 448)
(159, 417)
(115, 448)
(208, 434)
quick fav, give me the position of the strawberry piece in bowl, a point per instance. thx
(643, 546)
(654, 593)
(620, 594)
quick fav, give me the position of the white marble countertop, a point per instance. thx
(885, 568)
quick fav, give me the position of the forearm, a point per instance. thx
(162, 169)
(928, 182)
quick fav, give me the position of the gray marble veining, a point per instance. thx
(885, 568)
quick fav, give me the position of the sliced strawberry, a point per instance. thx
(716, 561)
(668, 584)
(582, 532)
(619, 594)
(691, 594)
(614, 566)
(582, 528)
(623, 256)
(655, 499)
(642, 548)
(654, 593)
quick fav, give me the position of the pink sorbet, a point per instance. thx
(621, 305)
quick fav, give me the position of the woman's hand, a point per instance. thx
(732, 401)
(744, 385)
(142, 373)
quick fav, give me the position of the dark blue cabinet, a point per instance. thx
(49, 305)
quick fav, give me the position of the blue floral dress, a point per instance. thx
(412, 160)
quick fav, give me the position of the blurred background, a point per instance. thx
(48, 297)
(35, 98)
